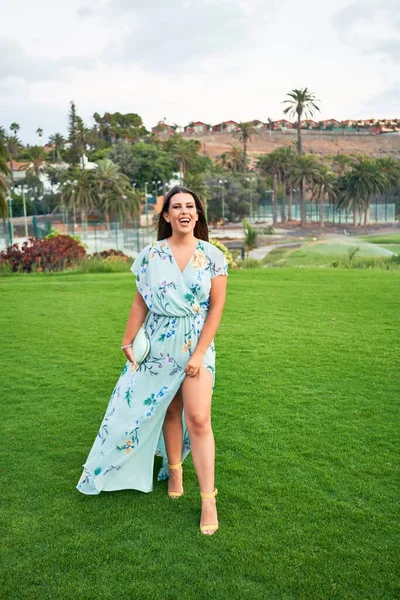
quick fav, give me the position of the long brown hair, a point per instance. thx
(164, 229)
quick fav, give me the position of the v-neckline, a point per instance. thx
(189, 261)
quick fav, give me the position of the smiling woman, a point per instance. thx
(163, 405)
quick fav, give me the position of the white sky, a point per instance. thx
(207, 60)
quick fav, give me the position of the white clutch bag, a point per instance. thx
(141, 345)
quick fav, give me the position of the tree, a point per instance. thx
(37, 156)
(112, 127)
(14, 127)
(357, 187)
(300, 102)
(39, 132)
(114, 191)
(13, 146)
(231, 160)
(325, 187)
(83, 137)
(183, 151)
(244, 133)
(79, 191)
(58, 141)
(73, 153)
(305, 171)
(153, 163)
(4, 172)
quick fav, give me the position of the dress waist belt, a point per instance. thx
(201, 312)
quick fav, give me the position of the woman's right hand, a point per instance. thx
(129, 355)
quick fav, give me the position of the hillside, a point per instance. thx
(214, 143)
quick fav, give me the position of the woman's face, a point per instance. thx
(182, 213)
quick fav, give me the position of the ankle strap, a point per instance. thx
(174, 466)
(209, 495)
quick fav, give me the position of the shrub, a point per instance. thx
(111, 255)
(250, 240)
(251, 263)
(48, 254)
(227, 254)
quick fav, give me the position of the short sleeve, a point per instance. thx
(140, 267)
(219, 264)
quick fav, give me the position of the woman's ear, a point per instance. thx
(166, 217)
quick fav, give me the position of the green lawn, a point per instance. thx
(305, 415)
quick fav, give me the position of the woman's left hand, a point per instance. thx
(194, 364)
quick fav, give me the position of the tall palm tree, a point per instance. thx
(305, 172)
(4, 172)
(58, 141)
(79, 190)
(357, 187)
(231, 160)
(14, 127)
(244, 133)
(341, 163)
(269, 164)
(37, 156)
(14, 146)
(184, 152)
(114, 191)
(325, 188)
(3, 135)
(300, 102)
(83, 137)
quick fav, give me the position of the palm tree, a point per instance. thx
(37, 156)
(14, 127)
(325, 187)
(269, 164)
(341, 163)
(3, 135)
(79, 190)
(301, 102)
(83, 137)
(231, 160)
(58, 141)
(305, 171)
(357, 187)
(244, 133)
(184, 152)
(114, 190)
(4, 172)
(13, 146)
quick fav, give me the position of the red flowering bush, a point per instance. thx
(49, 254)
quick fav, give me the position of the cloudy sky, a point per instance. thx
(184, 60)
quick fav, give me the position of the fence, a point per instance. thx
(379, 213)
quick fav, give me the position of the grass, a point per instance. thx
(323, 253)
(305, 416)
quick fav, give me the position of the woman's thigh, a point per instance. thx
(197, 395)
(176, 404)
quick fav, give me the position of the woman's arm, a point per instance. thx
(217, 301)
(136, 317)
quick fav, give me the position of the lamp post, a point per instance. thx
(10, 221)
(147, 206)
(21, 189)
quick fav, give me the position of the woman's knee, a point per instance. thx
(199, 424)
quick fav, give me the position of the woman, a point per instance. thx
(163, 405)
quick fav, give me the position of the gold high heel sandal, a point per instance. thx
(214, 526)
(175, 495)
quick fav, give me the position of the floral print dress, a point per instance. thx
(130, 435)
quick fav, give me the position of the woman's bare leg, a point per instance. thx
(173, 438)
(197, 396)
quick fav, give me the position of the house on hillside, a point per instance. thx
(257, 124)
(163, 129)
(226, 126)
(330, 124)
(196, 127)
(309, 124)
(281, 124)
(19, 169)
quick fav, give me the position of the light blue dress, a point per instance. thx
(130, 435)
